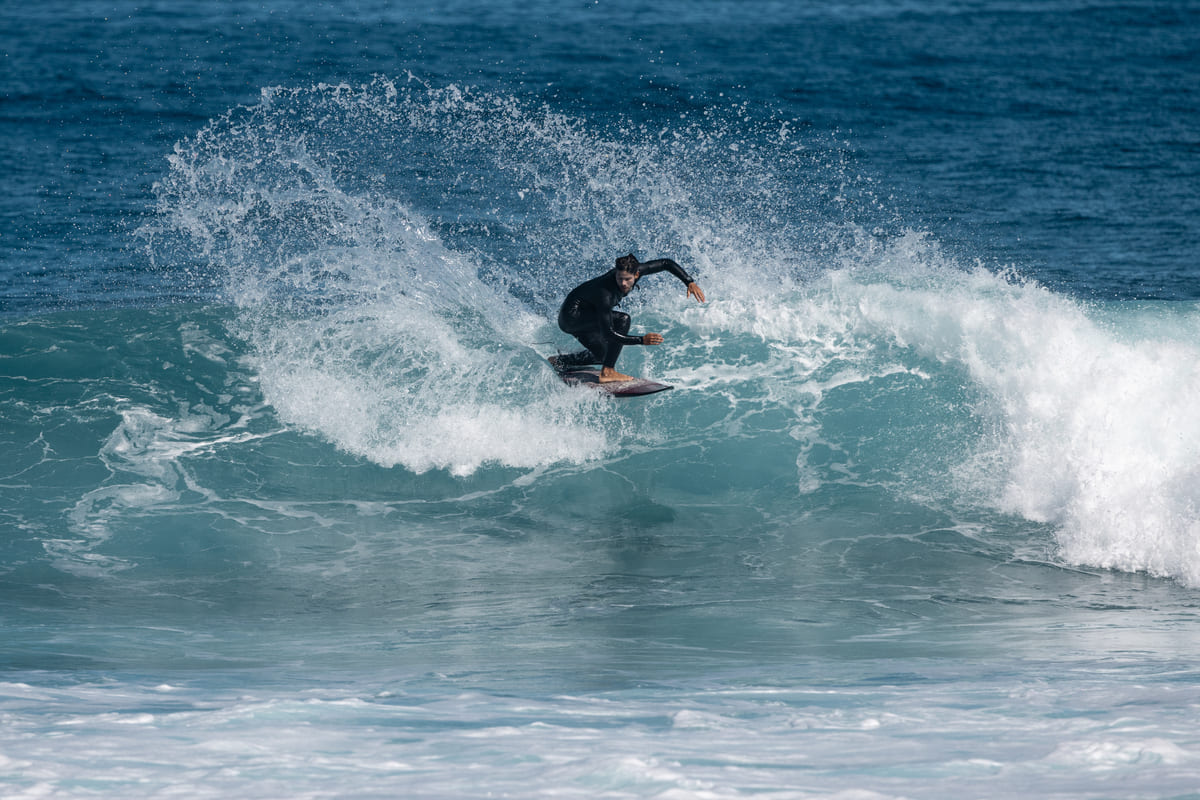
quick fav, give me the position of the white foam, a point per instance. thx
(1095, 428)
(402, 384)
(1091, 411)
(366, 329)
(881, 741)
(1108, 754)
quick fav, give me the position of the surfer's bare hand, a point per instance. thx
(695, 291)
(652, 338)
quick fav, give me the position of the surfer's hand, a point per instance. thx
(652, 338)
(694, 291)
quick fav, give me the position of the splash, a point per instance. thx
(962, 385)
(1090, 412)
(365, 326)
(394, 249)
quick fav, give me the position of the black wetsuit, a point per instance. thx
(587, 314)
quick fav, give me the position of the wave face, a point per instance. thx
(410, 332)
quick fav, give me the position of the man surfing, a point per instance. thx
(588, 315)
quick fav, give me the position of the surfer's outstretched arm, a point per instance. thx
(667, 265)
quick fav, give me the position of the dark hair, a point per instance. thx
(628, 264)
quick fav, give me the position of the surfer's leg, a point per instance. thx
(608, 373)
(599, 350)
(593, 352)
(584, 358)
(620, 323)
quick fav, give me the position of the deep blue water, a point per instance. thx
(292, 505)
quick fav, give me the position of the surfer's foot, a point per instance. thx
(555, 362)
(610, 375)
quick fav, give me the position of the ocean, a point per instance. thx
(292, 505)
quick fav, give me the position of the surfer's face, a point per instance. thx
(625, 281)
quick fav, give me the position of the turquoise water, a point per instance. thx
(293, 506)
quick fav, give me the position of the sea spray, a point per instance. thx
(377, 241)
(386, 327)
(364, 326)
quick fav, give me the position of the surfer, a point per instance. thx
(588, 315)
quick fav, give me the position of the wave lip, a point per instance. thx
(1093, 424)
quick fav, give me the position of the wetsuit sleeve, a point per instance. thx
(611, 334)
(666, 264)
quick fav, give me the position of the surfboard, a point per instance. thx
(591, 377)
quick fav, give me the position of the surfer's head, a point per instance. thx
(629, 264)
(628, 270)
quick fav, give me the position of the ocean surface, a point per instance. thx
(291, 505)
